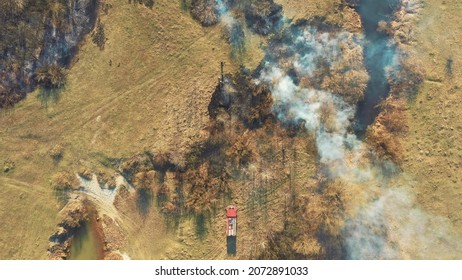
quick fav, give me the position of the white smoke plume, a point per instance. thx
(388, 224)
(393, 226)
(333, 136)
(306, 104)
(234, 29)
(225, 14)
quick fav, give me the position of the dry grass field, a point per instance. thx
(433, 148)
(149, 90)
(153, 97)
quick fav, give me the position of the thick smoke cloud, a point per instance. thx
(235, 31)
(386, 223)
(328, 116)
(302, 64)
(393, 226)
(308, 105)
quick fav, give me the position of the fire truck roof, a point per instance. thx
(231, 212)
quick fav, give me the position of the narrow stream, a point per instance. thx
(378, 54)
(85, 244)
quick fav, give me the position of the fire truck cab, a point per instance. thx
(231, 221)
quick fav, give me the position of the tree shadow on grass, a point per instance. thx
(201, 225)
(47, 95)
(62, 196)
(144, 199)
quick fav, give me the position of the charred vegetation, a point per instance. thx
(147, 3)
(38, 41)
(205, 12)
(264, 17)
(243, 132)
(50, 76)
(243, 148)
(98, 36)
(338, 68)
(243, 98)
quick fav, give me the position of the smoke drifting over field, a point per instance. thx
(295, 103)
(392, 226)
(328, 116)
(383, 221)
(317, 77)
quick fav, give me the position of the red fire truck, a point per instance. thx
(231, 221)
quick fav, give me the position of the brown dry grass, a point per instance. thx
(432, 147)
(153, 98)
(302, 9)
(205, 12)
(391, 123)
(64, 181)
